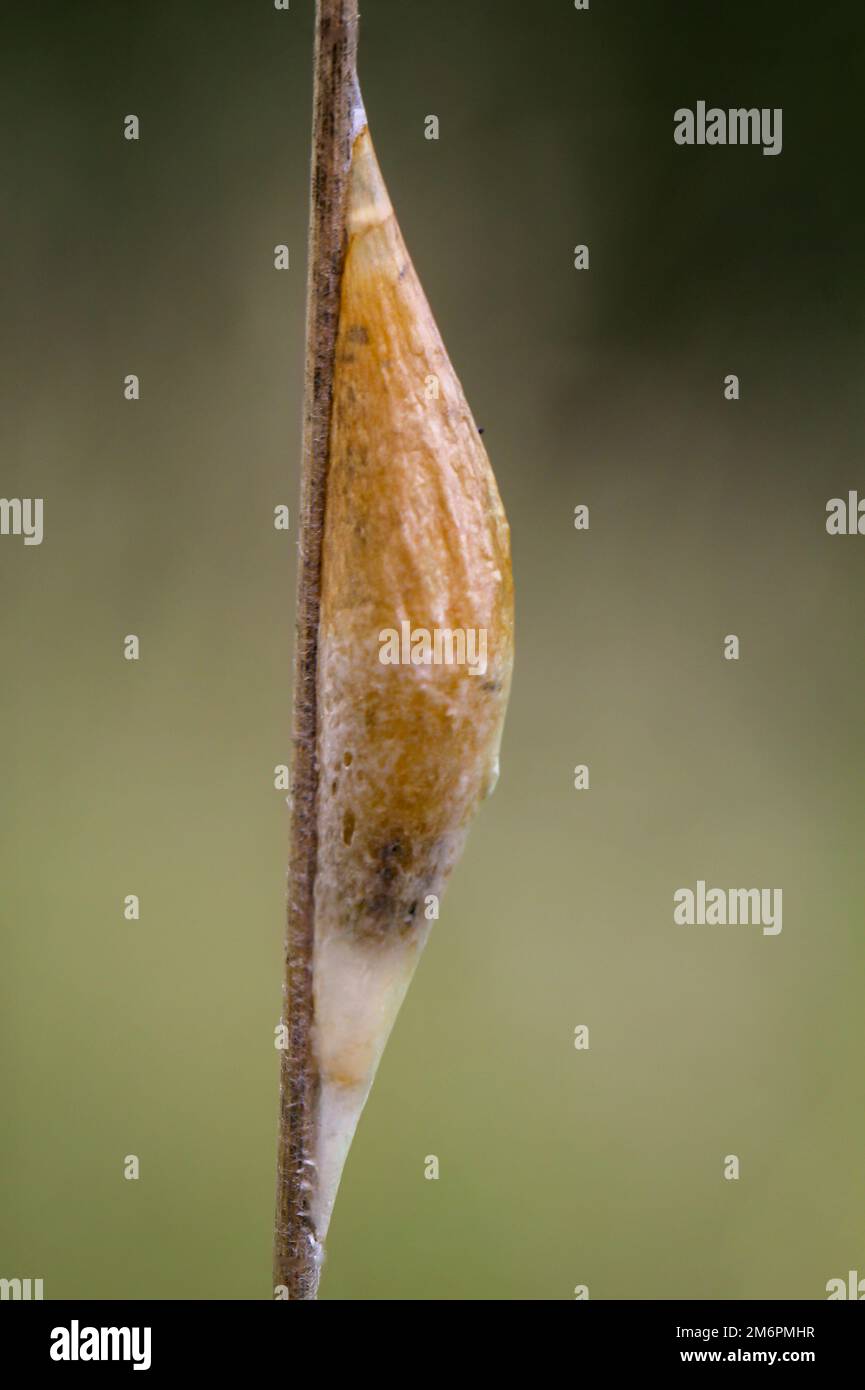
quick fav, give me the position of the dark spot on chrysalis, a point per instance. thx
(357, 334)
(391, 856)
(379, 906)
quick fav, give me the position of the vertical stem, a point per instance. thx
(297, 1255)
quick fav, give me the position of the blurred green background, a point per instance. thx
(155, 1038)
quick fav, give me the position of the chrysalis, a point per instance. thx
(415, 656)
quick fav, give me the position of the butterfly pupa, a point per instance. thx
(415, 649)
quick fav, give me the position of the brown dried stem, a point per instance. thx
(296, 1252)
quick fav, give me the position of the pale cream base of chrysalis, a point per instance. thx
(358, 993)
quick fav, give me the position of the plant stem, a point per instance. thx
(297, 1254)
